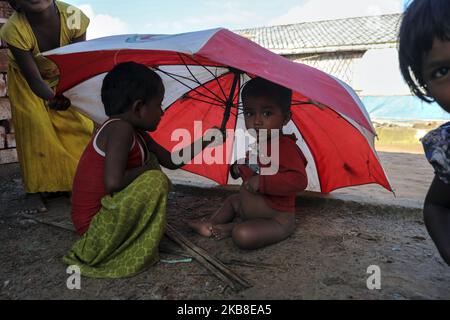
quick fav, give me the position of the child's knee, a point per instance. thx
(243, 238)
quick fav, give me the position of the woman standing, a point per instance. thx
(50, 135)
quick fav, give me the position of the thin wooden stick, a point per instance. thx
(53, 224)
(221, 271)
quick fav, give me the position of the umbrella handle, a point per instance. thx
(229, 104)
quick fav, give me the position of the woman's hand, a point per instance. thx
(59, 103)
(30, 71)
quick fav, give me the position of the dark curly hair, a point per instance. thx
(423, 21)
(127, 83)
(261, 87)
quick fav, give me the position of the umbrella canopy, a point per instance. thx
(203, 73)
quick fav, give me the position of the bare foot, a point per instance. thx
(201, 226)
(222, 231)
(35, 204)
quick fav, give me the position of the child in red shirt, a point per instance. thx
(265, 203)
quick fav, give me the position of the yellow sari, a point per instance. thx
(49, 142)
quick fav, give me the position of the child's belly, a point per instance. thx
(253, 206)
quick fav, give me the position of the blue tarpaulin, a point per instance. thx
(403, 108)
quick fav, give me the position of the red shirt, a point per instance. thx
(88, 186)
(280, 190)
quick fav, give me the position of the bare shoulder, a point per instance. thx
(116, 132)
(120, 125)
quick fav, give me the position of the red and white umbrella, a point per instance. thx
(203, 73)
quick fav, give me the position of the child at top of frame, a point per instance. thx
(120, 193)
(424, 54)
(263, 212)
(48, 130)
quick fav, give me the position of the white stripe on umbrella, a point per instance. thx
(191, 43)
(370, 137)
(87, 99)
(357, 100)
(311, 169)
(177, 90)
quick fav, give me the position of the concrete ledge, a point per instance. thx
(396, 206)
(387, 206)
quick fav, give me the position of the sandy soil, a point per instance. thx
(327, 257)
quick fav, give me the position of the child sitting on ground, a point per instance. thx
(265, 203)
(119, 192)
(424, 54)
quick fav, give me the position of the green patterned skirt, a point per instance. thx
(124, 235)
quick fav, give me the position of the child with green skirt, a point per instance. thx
(120, 194)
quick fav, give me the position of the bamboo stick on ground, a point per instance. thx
(235, 281)
(53, 224)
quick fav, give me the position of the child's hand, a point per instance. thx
(235, 171)
(252, 184)
(59, 103)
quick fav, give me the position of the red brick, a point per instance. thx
(10, 140)
(2, 141)
(3, 86)
(3, 60)
(11, 126)
(3, 44)
(8, 156)
(5, 10)
(5, 109)
(7, 125)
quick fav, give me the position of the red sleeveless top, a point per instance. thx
(88, 186)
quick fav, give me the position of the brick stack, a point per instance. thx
(8, 153)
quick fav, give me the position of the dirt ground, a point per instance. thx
(327, 257)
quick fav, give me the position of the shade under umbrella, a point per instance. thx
(203, 73)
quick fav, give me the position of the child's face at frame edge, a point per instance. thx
(151, 112)
(34, 6)
(263, 113)
(436, 72)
